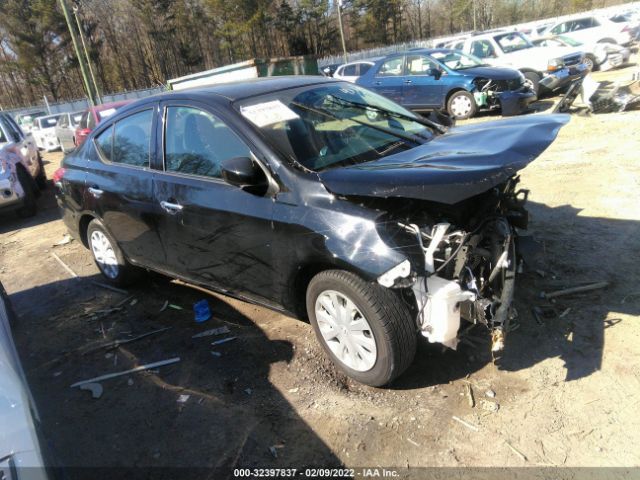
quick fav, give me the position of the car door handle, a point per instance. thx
(377, 83)
(408, 82)
(171, 208)
(95, 192)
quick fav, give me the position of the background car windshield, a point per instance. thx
(511, 42)
(457, 60)
(76, 117)
(48, 122)
(329, 125)
(569, 41)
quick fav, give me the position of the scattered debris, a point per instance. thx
(109, 287)
(108, 376)
(64, 265)
(117, 343)
(542, 273)
(489, 406)
(465, 423)
(95, 389)
(273, 449)
(202, 310)
(490, 393)
(130, 382)
(183, 398)
(216, 354)
(66, 239)
(565, 313)
(57, 374)
(293, 390)
(470, 399)
(580, 289)
(248, 391)
(133, 302)
(213, 331)
(175, 307)
(516, 451)
(164, 306)
(413, 442)
(537, 314)
(108, 355)
(223, 340)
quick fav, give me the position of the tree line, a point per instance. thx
(136, 44)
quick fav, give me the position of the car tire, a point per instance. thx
(108, 257)
(591, 62)
(461, 105)
(29, 206)
(383, 337)
(532, 80)
(41, 179)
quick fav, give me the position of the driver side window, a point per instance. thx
(197, 142)
(419, 65)
(483, 49)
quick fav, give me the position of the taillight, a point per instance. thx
(58, 175)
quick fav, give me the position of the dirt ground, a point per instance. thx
(566, 390)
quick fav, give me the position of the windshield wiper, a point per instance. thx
(326, 113)
(422, 121)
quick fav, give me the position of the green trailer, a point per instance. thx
(255, 68)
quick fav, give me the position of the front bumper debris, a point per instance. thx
(563, 77)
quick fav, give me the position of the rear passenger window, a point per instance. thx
(197, 142)
(391, 68)
(132, 139)
(364, 68)
(349, 71)
(104, 143)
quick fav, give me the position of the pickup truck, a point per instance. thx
(546, 69)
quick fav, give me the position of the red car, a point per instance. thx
(93, 116)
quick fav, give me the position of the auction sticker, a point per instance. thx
(268, 113)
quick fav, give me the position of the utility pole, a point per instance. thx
(344, 47)
(86, 54)
(74, 40)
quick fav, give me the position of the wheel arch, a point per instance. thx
(83, 226)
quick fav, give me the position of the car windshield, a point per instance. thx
(512, 42)
(48, 122)
(75, 118)
(457, 60)
(325, 126)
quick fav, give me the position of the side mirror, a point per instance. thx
(243, 173)
(435, 72)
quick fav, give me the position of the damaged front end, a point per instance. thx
(463, 261)
(511, 96)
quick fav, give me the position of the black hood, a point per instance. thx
(464, 162)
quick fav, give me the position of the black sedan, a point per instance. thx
(287, 192)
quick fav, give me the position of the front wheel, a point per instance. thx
(108, 256)
(365, 328)
(590, 62)
(461, 105)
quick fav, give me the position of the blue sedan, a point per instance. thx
(443, 79)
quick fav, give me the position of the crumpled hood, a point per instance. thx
(462, 163)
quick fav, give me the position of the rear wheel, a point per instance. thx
(590, 62)
(41, 179)
(461, 105)
(365, 328)
(29, 206)
(108, 256)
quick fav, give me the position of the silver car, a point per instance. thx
(20, 450)
(66, 130)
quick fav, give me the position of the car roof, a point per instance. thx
(248, 88)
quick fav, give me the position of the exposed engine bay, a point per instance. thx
(462, 263)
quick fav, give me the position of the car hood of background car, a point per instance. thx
(457, 165)
(493, 73)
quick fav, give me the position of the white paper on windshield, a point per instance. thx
(268, 113)
(107, 112)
